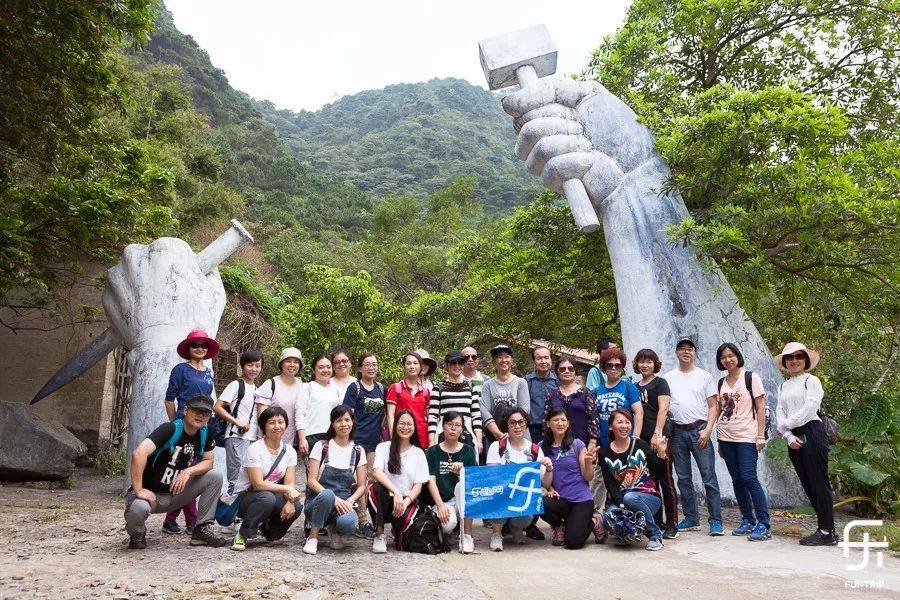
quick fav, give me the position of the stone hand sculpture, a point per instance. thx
(577, 130)
(154, 296)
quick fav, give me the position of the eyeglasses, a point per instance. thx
(370, 365)
(517, 423)
(796, 356)
(453, 425)
(566, 369)
(203, 345)
(612, 365)
(470, 356)
(342, 362)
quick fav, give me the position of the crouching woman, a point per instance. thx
(336, 480)
(269, 501)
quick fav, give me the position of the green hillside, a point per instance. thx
(445, 128)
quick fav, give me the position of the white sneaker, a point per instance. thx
(468, 544)
(379, 544)
(311, 546)
(496, 542)
(336, 540)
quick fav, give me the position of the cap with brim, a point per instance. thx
(426, 358)
(792, 347)
(501, 348)
(200, 402)
(686, 341)
(290, 353)
(197, 335)
(454, 356)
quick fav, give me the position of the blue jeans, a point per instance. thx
(740, 458)
(320, 511)
(682, 445)
(647, 504)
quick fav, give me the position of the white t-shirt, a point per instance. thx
(258, 456)
(245, 412)
(512, 455)
(338, 456)
(321, 399)
(690, 389)
(291, 398)
(342, 387)
(413, 466)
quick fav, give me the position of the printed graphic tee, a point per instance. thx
(162, 468)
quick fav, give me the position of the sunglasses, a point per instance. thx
(566, 369)
(470, 356)
(517, 423)
(796, 356)
(612, 365)
(458, 362)
(203, 345)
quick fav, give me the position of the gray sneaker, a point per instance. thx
(205, 536)
(654, 544)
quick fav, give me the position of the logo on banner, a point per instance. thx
(502, 491)
(528, 490)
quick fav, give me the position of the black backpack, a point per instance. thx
(424, 534)
(219, 426)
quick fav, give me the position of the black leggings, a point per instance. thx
(577, 517)
(811, 464)
(669, 496)
(381, 509)
(263, 508)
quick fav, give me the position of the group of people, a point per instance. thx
(607, 447)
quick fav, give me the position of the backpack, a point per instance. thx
(830, 425)
(220, 426)
(170, 444)
(748, 383)
(502, 450)
(424, 534)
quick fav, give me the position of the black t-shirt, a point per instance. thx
(162, 469)
(650, 394)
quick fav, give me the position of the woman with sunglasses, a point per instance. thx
(456, 395)
(517, 449)
(613, 394)
(400, 471)
(341, 365)
(577, 402)
(321, 395)
(798, 421)
(188, 379)
(569, 504)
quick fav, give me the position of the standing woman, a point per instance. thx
(365, 398)
(269, 500)
(336, 480)
(798, 421)
(285, 390)
(400, 471)
(569, 504)
(445, 461)
(502, 392)
(341, 363)
(408, 394)
(455, 394)
(655, 398)
(429, 367)
(188, 379)
(322, 394)
(741, 430)
(576, 401)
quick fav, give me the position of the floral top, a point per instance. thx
(581, 409)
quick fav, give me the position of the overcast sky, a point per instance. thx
(301, 55)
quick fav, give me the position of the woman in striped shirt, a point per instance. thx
(458, 395)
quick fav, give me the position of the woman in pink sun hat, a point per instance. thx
(799, 401)
(188, 379)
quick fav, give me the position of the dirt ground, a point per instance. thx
(72, 544)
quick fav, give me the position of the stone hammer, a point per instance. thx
(522, 57)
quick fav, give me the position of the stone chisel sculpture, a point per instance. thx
(153, 297)
(577, 130)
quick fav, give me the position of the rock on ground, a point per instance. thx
(32, 448)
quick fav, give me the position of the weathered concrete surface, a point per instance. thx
(71, 545)
(32, 448)
(579, 130)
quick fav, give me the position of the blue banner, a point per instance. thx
(503, 491)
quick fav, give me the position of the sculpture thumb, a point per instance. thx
(209, 258)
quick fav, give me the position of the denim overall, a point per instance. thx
(336, 483)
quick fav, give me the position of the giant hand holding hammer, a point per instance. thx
(576, 135)
(154, 296)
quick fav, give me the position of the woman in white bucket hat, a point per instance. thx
(285, 390)
(799, 402)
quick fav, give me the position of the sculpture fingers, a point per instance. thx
(567, 92)
(560, 169)
(532, 132)
(603, 177)
(552, 146)
(557, 111)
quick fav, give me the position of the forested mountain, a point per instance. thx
(413, 138)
